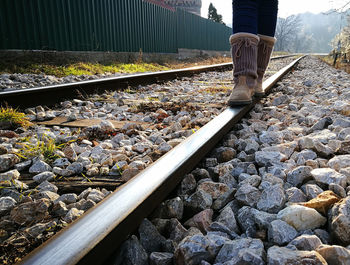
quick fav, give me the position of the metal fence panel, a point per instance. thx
(105, 25)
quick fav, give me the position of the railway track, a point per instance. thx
(99, 232)
(51, 95)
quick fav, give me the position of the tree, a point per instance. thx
(213, 14)
(286, 30)
(341, 42)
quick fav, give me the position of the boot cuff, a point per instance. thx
(241, 35)
(269, 39)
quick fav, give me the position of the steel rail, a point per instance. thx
(50, 95)
(97, 234)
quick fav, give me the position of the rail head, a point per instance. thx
(50, 95)
(94, 236)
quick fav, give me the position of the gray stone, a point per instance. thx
(341, 122)
(251, 146)
(23, 165)
(299, 175)
(242, 251)
(201, 220)
(335, 255)
(339, 220)
(284, 99)
(215, 189)
(271, 137)
(301, 218)
(198, 202)
(44, 176)
(6, 205)
(39, 167)
(286, 148)
(328, 176)
(132, 253)
(161, 258)
(248, 195)
(45, 185)
(210, 162)
(285, 256)
(72, 215)
(272, 199)
(9, 175)
(187, 185)
(76, 167)
(150, 239)
(253, 221)
(295, 195)
(337, 189)
(323, 235)
(321, 124)
(61, 162)
(216, 227)
(269, 158)
(192, 250)
(106, 126)
(174, 208)
(224, 154)
(339, 162)
(176, 231)
(322, 150)
(200, 173)
(254, 181)
(95, 196)
(227, 217)
(86, 205)
(311, 190)
(224, 199)
(7, 161)
(37, 229)
(62, 172)
(306, 242)
(281, 233)
(216, 242)
(228, 179)
(67, 198)
(52, 196)
(269, 180)
(306, 154)
(60, 209)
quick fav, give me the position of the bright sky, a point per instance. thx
(286, 7)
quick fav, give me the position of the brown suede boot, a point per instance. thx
(265, 48)
(244, 56)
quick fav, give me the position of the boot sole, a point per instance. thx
(239, 103)
(259, 95)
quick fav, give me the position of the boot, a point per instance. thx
(265, 48)
(244, 49)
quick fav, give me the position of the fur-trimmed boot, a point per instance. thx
(265, 48)
(244, 49)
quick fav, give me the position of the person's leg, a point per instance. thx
(267, 18)
(244, 43)
(245, 16)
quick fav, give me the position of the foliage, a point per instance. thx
(14, 117)
(341, 42)
(213, 14)
(46, 148)
(286, 29)
(81, 68)
(308, 32)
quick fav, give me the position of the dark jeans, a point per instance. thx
(255, 16)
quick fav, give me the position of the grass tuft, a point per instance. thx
(13, 118)
(47, 148)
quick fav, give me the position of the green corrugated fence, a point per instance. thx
(105, 25)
